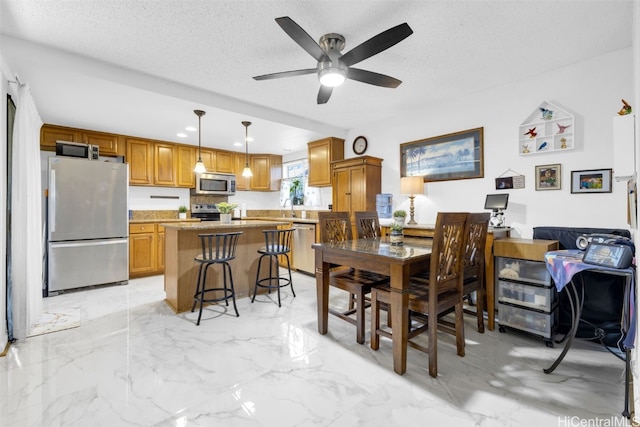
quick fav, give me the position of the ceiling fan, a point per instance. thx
(333, 67)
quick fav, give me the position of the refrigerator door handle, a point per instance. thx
(52, 200)
(88, 243)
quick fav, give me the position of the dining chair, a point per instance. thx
(336, 227)
(474, 275)
(432, 295)
(367, 225)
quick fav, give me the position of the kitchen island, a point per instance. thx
(182, 245)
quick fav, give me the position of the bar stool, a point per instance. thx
(277, 242)
(217, 248)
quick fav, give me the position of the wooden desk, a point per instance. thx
(376, 255)
(426, 231)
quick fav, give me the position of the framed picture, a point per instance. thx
(591, 181)
(548, 177)
(504, 183)
(442, 158)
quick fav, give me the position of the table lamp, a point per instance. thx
(412, 185)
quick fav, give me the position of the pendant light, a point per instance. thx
(200, 168)
(246, 172)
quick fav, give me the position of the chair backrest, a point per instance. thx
(278, 241)
(334, 226)
(447, 253)
(367, 225)
(475, 247)
(219, 247)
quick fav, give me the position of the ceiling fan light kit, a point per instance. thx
(333, 68)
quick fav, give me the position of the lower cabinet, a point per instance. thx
(527, 297)
(146, 249)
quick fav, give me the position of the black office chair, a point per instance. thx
(277, 243)
(217, 248)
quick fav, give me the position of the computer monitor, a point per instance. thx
(496, 201)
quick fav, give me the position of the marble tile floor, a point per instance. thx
(133, 362)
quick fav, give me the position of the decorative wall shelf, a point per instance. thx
(548, 128)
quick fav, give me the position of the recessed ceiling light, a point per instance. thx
(250, 139)
(181, 135)
(191, 129)
(237, 144)
(288, 149)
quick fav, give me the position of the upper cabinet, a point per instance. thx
(225, 161)
(267, 172)
(548, 128)
(187, 158)
(167, 164)
(320, 154)
(164, 164)
(242, 183)
(140, 159)
(110, 144)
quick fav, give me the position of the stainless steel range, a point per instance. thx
(205, 212)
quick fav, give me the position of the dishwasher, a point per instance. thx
(303, 255)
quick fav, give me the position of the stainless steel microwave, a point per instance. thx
(216, 183)
(75, 149)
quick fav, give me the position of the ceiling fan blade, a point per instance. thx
(301, 37)
(377, 44)
(372, 78)
(286, 74)
(324, 94)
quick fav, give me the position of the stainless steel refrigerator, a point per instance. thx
(87, 222)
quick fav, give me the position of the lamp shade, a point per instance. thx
(412, 185)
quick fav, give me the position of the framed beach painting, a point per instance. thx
(442, 158)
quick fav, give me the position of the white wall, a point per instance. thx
(591, 91)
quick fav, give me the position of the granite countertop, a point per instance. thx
(287, 218)
(151, 220)
(217, 225)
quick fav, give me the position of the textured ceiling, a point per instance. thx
(141, 67)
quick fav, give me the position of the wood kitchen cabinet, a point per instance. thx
(225, 161)
(267, 172)
(109, 144)
(208, 157)
(140, 159)
(187, 156)
(242, 183)
(142, 249)
(320, 154)
(356, 182)
(146, 249)
(164, 164)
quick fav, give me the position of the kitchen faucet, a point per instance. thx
(284, 205)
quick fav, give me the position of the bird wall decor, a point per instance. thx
(562, 128)
(546, 114)
(626, 109)
(532, 133)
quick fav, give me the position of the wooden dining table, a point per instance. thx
(379, 256)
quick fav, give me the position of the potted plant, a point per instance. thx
(399, 216)
(396, 237)
(182, 212)
(296, 192)
(225, 211)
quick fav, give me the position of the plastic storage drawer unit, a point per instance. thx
(534, 322)
(538, 298)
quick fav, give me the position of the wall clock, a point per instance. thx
(360, 145)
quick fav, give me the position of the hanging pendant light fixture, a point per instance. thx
(200, 168)
(246, 172)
